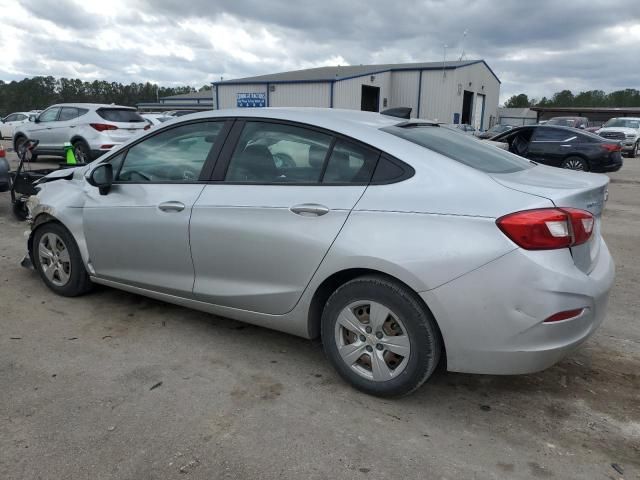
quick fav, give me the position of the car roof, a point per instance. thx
(91, 105)
(626, 118)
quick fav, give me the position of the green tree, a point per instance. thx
(518, 101)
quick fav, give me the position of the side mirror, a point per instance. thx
(33, 118)
(102, 177)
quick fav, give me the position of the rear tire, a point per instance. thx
(379, 336)
(81, 151)
(575, 163)
(57, 259)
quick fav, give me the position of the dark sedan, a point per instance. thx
(564, 147)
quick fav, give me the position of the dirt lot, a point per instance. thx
(77, 396)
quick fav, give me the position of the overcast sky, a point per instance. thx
(537, 47)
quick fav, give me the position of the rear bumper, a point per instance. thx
(492, 319)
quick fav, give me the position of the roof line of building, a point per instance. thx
(248, 81)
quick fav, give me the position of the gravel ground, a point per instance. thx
(114, 385)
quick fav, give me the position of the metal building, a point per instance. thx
(450, 92)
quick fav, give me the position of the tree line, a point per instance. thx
(629, 97)
(37, 93)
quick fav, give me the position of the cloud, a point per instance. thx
(534, 47)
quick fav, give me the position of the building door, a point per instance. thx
(370, 99)
(478, 112)
(467, 105)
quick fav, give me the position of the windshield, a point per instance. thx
(623, 122)
(461, 148)
(498, 129)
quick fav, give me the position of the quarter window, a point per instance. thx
(278, 153)
(350, 163)
(175, 155)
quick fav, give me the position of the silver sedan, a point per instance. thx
(400, 243)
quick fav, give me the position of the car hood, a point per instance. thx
(625, 130)
(62, 174)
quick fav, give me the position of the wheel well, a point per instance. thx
(77, 138)
(332, 283)
(37, 223)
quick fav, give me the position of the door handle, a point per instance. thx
(309, 210)
(171, 206)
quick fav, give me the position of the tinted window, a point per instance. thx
(11, 118)
(175, 155)
(120, 115)
(49, 115)
(461, 148)
(350, 163)
(68, 113)
(553, 135)
(277, 153)
(21, 117)
(388, 171)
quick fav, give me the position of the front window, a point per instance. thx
(461, 148)
(49, 115)
(175, 155)
(622, 123)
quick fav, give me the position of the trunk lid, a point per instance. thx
(566, 188)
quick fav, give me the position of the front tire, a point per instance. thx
(379, 336)
(57, 259)
(575, 163)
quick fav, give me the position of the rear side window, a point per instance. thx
(544, 134)
(68, 113)
(350, 163)
(277, 153)
(124, 115)
(461, 148)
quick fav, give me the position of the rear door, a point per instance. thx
(552, 145)
(280, 195)
(138, 234)
(62, 130)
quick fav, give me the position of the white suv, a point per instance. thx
(624, 129)
(92, 129)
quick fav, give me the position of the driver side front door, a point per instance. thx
(138, 234)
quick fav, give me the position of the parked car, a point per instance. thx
(92, 129)
(154, 119)
(11, 121)
(493, 131)
(399, 243)
(574, 122)
(564, 147)
(626, 130)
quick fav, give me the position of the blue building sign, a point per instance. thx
(251, 100)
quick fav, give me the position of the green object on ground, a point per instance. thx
(69, 155)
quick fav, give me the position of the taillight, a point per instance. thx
(2, 152)
(611, 147)
(547, 228)
(101, 127)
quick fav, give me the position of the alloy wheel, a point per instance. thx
(54, 259)
(574, 164)
(372, 340)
